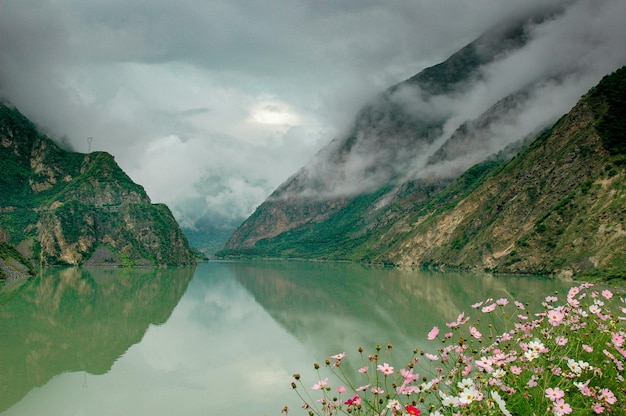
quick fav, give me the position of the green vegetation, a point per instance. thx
(609, 98)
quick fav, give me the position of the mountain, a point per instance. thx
(559, 206)
(412, 185)
(63, 207)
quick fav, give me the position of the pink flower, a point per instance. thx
(475, 333)
(408, 390)
(587, 348)
(363, 388)
(555, 317)
(573, 292)
(385, 368)
(433, 333)
(551, 299)
(377, 390)
(597, 408)
(562, 408)
(321, 384)
(618, 339)
(519, 304)
(338, 356)
(448, 335)
(485, 363)
(502, 302)
(554, 394)
(431, 357)
(408, 375)
(560, 340)
(489, 308)
(607, 395)
(363, 370)
(341, 389)
(516, 370)
(607, 294)
(460, 320)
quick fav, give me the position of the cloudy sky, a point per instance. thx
(211, 104)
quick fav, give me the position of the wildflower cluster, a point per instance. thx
(568, 358)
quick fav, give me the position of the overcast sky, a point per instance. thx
(210, 105)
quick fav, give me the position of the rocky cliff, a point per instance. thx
(63, 207)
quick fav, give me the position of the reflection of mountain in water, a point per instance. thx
(79, 320)
(335, 305)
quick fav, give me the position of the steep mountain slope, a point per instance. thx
(387, 157)
(558, 207)
(408, 193)
(61, 207)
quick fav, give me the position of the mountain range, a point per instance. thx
(418, 183)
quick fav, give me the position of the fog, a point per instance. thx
(212, 105)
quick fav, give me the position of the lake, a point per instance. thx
(223, 338)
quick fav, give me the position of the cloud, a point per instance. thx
(212, 105)
(517, 95)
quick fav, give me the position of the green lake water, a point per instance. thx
(223, 338)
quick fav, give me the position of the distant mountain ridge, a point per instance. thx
(373, 195)
(63, 207)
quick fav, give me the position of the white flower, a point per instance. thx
(501, 404)
(465, 383)
(499, 373)
(426, 386)
(448, 400)
(536, 345)
(577, 367)
(469, 395)
(393, 404)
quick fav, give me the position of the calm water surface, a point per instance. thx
(223, 338)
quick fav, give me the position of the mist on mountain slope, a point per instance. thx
(407, 133)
